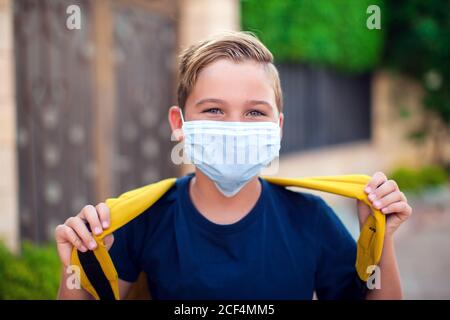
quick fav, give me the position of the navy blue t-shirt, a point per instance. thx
(289, 245)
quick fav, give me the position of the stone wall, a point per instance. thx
(8, 157)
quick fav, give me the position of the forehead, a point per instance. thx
(234, 81)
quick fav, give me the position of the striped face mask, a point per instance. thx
(231, 153)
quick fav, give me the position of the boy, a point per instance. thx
(223, 232)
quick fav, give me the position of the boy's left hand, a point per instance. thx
(385, 195)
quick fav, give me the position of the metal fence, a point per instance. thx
(323, 107)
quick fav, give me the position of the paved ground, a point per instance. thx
(423, 250)
(422, 244)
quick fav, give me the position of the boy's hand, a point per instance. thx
(385, 195)
(75, 233)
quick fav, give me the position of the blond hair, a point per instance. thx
(235, 46)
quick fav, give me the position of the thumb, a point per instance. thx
(363, 212)
(65, 252)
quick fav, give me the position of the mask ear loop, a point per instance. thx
(182, 118)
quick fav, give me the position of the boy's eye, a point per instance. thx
(212, 110)
(255, 113)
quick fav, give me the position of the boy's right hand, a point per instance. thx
(75, 233)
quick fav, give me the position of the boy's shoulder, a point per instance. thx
(295, 198)
(154, 211)
(304, 212)
(308, 212)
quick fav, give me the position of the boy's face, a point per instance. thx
(229, 91)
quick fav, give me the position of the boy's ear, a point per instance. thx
(281, 119)
(176, 123)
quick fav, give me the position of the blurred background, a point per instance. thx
(83, 112)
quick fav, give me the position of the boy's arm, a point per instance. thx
(66, 293)
(389, 275)
(386, 196)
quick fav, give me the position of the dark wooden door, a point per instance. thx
(91, 104)
(145, 61)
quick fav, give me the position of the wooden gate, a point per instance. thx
(91, 104)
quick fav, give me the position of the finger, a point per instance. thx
(377, 179)
(108, 241)
(103, 213)
(388, 199)
(82, 231)
(91, 216)
(403, 196)
(72, 237)
(397, 207)
(383, 190)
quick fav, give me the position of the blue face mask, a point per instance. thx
(231, 153)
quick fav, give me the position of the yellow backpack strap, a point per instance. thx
(97, 272)
(371, 238)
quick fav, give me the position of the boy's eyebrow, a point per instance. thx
(201, 101)
(219, 101)
(253, 102)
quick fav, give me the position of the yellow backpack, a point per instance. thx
(99, 277)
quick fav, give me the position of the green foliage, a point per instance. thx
(433, 176)
(418, 44)
(327, 32)
(418, 180)
(35, 274)
(406, 179)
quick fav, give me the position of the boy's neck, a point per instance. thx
(218, 208)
